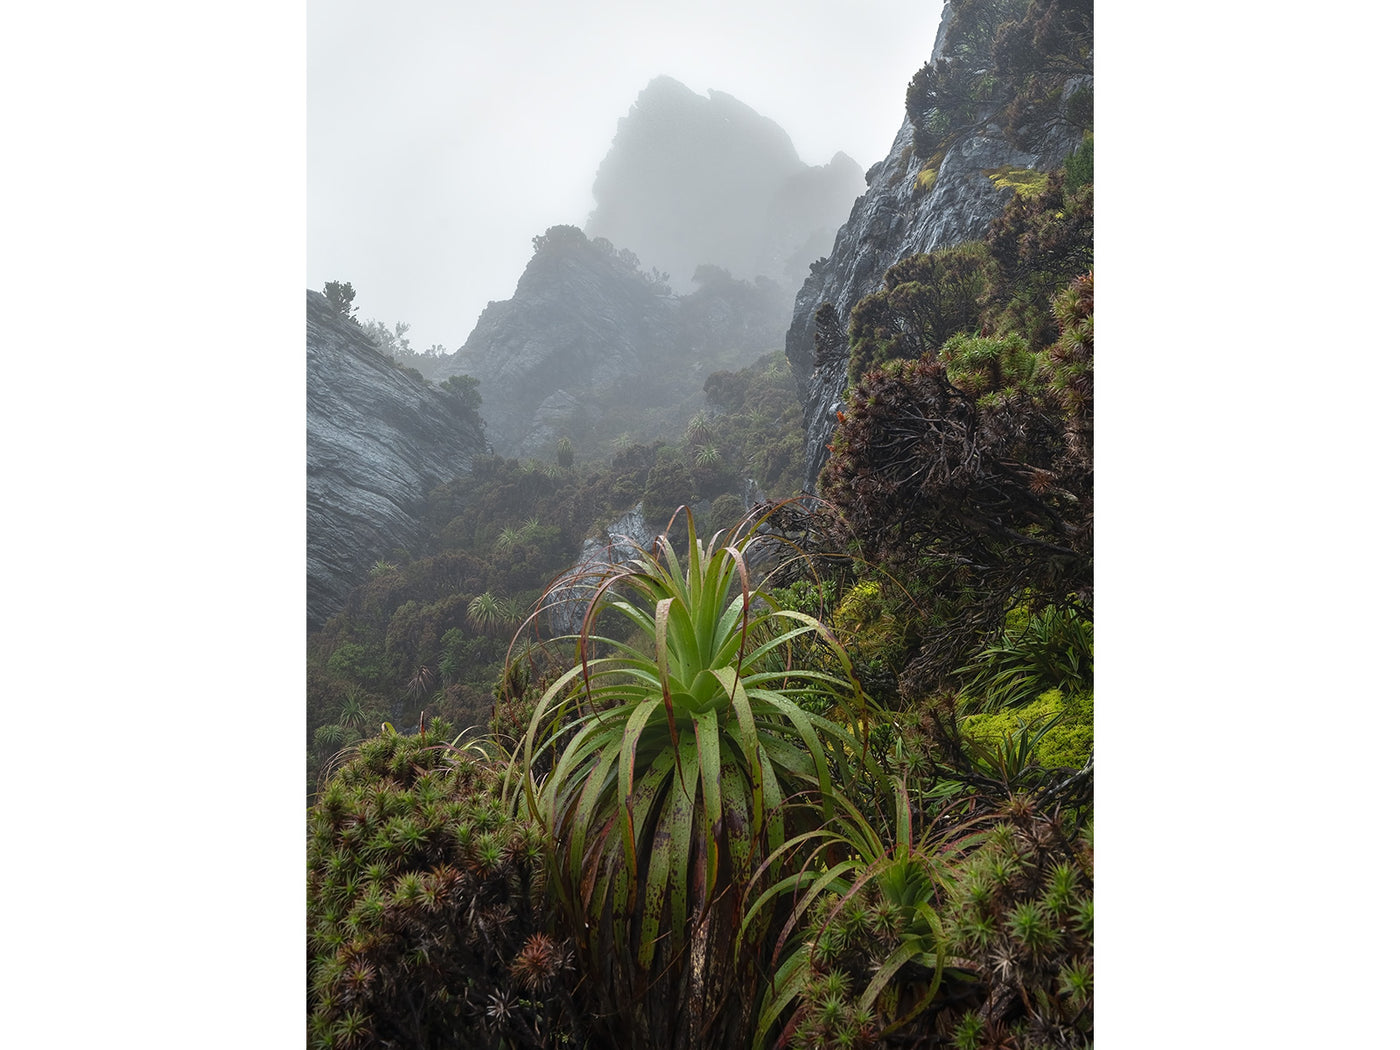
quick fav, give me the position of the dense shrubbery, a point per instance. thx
(1008, 63)
(427, 924)
(711, 800)
(926, 299)
(963, 463)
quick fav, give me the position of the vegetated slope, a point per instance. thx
(691, 180)
(429, 633)
(377, 440)
(879, 836)
(976, 118)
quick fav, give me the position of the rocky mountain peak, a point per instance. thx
(694, 179)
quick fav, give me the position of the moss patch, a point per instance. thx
(1069, 743)
(1026, 182)
(928, 174)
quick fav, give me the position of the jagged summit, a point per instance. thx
(694, 180)
(924, 196)
(589, 336)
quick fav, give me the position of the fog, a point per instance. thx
(442, 136)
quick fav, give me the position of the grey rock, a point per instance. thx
(377, 441)
(620, 542)
(890, 221)
(582, 318)
(588, 334)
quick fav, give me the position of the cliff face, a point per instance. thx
(377, 440)
(895, 218)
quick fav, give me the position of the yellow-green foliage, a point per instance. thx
(863, 620)
(1069, 742)
(1027, 182)
(859, 608)
(873, 634)
(928, 174)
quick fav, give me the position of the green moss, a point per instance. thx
(1026, 182)
(928, 174)
(859, 608)
(1069, 743)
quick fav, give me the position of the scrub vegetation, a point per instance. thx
(814, 772)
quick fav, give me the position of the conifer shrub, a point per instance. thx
(1079, 165)
(725, 512)
(1039, 243)
(1020, 923)
(925, 299)
(426, 921)
(670, 483)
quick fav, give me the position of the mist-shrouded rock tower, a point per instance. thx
(378, 439)
(706, 223)
(692, 180)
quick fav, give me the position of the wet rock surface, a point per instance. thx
(895, 218)
(377, 441)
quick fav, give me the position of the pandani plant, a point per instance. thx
(863, 949)
(670, 764)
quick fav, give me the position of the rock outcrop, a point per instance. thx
(378, 439)
(583, 319)
(589, 339)
(894, 218)
(620, 542)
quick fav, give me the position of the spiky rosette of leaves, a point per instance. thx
(707, 455)
(540, 963)
(407, 941)
(485, 612)
(673, 755)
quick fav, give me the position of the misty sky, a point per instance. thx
(442, 136)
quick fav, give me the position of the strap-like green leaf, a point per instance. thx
(626, 758)
(787, 982)
(708, 746)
